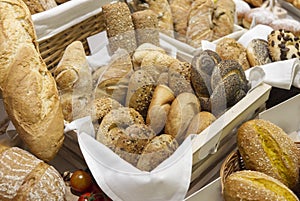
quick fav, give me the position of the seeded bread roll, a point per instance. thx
(253, 185)
(229, 85)
(156, 151)
(37, 6)
(102, 106)
(258, 52)
(146, 27)
(283, 45)
(231, 49)
(265, 147)
(129, 142)
(25, 177)
(119, 27)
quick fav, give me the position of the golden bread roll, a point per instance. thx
(119, 27)
(146, 26)
(159, 108)
(25, 177)
(180, 11)
(156, 151)
(74, 81)
(141, 51)
(283, 45)
(200, 122)
(37, 6)
(265, 147)
(253, 185)
(231, 49)
(229, 85)
(183, 109)
(258, 52)
(129, 142)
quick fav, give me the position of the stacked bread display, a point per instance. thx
(271, 161)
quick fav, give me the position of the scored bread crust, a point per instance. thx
(265, 147)
(253, 185)
(25, 177)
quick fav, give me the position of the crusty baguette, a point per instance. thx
(29, 91)
(25, 177)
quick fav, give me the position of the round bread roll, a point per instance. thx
(231, 49)
(229, 85)
(258, 52)
(121, 118)
(265, 147)
(183, 109)
(102, 106)
(283, 45)
(253, 185)
(159, 108)
(156, 151)
(287, 25)
(129, 143)
(25, 177)
(200, 122)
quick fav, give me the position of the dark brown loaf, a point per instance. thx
(253, 185)
(25, 177)
(265, 147)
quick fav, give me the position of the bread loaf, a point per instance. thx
(265, 147)
(37, 6)
(25, 177)
(253, 185)
(119, 27)
(74, 81)
(258, 52)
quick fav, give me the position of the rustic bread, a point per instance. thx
(25, 177)
(265, 147)
(258, 52)
(253, 185)
(156, 151)
(74, 81)
(37, 6)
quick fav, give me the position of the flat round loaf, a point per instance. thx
(265, 147)
(258, 52)
(25, 177)
(283, 45)
(253, 185)
(156, 151)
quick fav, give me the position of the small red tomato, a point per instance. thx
(87, 197)
(81, 181)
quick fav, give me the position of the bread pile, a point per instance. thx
(271, 161)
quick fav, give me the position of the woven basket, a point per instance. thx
(53, 48)
(234, 162)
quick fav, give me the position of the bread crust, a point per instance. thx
(265, 147)
(253, 185)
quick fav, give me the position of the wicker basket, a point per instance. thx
(233, 163)
(53, 48)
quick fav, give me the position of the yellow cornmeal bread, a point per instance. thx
(249, 185)
(265, 147)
